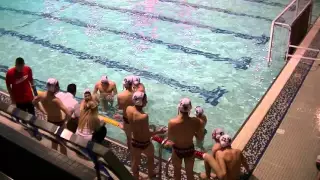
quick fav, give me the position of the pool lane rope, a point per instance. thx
(158, 139)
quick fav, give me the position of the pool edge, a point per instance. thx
(260, 111)
(258, 130)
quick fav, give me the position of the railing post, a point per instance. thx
(270, 43)
(288, 43)
(160, 157)
(167, 166)
(310, 16)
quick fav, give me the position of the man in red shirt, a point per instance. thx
(19, 82)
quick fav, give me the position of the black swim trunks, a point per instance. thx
(184, 152)
(139, 144)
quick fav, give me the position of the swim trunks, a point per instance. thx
(184, 152)
(139, 144)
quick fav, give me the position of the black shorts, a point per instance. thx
(27, 107)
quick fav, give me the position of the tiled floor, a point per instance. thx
(293, 150)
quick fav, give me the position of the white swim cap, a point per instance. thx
(185, 105)
(127, 81)
(104, 79)
(136, 80)
(138, 97)
(225, 141)
(217, 133)
(52, 85)
(199, 111)
(87, 91)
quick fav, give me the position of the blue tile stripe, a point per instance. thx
(242, 63)
(27, 23)
(264, 2)
(263, 39)
(198, 6)
(211, 97)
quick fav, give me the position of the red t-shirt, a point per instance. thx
(20, 84)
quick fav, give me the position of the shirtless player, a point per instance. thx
(227, 163)
(87, 96)
(53, 108)
(107, 90)
(124, 100)
(139, 124)
(181, 131)
(137, 85)
(203, 121)
(216, 134)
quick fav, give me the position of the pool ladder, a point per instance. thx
(161, 160)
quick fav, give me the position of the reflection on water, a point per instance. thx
(141, 23)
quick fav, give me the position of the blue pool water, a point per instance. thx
(210, 51)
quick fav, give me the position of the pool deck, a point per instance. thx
(295, 146)
(293, 149)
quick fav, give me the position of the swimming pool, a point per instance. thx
(212, 52)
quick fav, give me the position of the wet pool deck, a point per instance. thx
(292, 151)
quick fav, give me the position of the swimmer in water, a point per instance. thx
(124, 100)
(181, 131)
(137, 85)
(227, 161)
(216, 134)
(87, 96)
(203, 121)
(107, 90)
(52, 106)
(141, 134)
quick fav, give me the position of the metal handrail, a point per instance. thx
(160, 156)
(303, 57)
(300, 47)
(167, 166)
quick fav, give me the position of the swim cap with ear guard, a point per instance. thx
(225, 141)
(185, 105)
(86, 91)
(52, 85)
(138, 98)
(199, 111)
(136, 80)
(104, 79)
(127, 81)
(217, 133)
